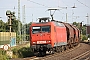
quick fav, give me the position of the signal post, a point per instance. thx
(11, 16)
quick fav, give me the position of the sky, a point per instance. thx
(35, 9)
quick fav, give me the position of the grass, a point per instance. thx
(3, 55)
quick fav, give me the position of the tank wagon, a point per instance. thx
(52, 36)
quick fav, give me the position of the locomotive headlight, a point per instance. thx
(34, 42)
(48, 41)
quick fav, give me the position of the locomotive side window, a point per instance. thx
(45, 28)
(40, 29)
(36, 29)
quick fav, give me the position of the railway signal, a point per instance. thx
(81, 24)
(11, 16)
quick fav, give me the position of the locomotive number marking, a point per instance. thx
(40, 42)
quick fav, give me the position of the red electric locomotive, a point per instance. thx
(52, 36)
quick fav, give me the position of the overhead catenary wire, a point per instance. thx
(46, 6)
(21, 8)
(39, 3)
(64, 3)
(83, 4)
(31, 7)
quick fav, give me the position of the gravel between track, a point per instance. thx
(63, 55)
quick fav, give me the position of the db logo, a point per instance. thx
(41, 34)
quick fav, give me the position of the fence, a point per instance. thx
(5, 37)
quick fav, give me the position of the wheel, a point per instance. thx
(42, 54)
(67, 47)
(57, 49)
(62, 47)
(52, 50)
(72, 46)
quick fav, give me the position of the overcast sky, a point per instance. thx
(38, 8)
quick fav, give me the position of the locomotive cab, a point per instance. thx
(40, 34)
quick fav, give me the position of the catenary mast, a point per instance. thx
(19, 32)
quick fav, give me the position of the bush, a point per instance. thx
(15, 53)
(84, 37)
(22, 52)
(89, 36)
(25, 52)
(17, 39)
(3, 55)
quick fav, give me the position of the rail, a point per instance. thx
(82, 56)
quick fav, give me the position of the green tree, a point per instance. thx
(27, 27)
(15, 25)
(7, 27)
(2, 26)
(76, 24)
(89, 36)
(83, 28)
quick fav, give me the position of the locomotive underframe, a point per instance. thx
(40, 49)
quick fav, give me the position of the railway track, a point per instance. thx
(84, 56)
(48, 57)
(59, 54)
(80, 52)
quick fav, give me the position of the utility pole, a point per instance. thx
(32, 18)
(87, 18)
(19, 32)
(66, 17)
(72, 16)
(73, 12)
(23, 25)
(10, 27)
(87, 24)
(81, 29)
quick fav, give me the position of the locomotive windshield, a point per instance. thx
(40, 29)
